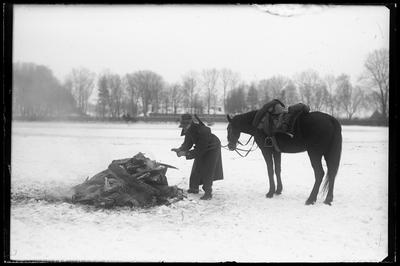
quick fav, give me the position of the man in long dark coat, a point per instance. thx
(207, 165)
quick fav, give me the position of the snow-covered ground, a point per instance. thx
(238, 224)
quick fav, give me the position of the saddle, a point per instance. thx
(272, 123)
(284, 122)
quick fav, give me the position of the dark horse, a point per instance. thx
(317, 133)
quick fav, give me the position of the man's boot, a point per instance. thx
(193, 191)
(206, 196)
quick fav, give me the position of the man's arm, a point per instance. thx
(202, 144)
(187, 143)
(184, 148)
(260, 114)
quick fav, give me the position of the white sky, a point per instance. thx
(175, 39)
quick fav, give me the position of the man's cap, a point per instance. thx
(186, 119)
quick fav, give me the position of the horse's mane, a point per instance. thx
(245, 118)
(244, 121)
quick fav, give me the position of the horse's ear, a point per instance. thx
(229, 118)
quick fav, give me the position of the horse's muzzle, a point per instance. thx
(231, 146)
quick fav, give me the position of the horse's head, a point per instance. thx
(233, 134)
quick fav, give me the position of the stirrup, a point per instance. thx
(269, 144)
(289, 134)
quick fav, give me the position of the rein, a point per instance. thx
(246, 142)
(248, 151)
(239, 149)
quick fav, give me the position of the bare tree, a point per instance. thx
(306, 81)
(272, 88)
(312, 89)
(235, 102)
(171, 96)
(349, 98)
(116, 94)
(103, 98)
(252, 97)
(175, 94)
(376, 77)
(262, 87)
(290, 95)
(370, 104)
(165, 99)
(81, 83)
(198, 105)
(229, 80)
(320, 96)
(38, 93)
(189, 82)
(331, 102)
(277, 84)
(157, 86)
(210, 78)
(132, 92)
(148, 84)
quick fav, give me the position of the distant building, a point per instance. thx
(377, 116)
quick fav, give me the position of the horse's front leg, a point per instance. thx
(277, 164)
(267, 153)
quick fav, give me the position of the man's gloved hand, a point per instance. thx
(189, 155)
(179, 153)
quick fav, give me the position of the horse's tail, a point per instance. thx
(333, 155)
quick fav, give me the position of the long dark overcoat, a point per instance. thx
(206, 153)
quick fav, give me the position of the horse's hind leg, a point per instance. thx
(277, 164)
(332, 166)
(319, 175)
(329, 196)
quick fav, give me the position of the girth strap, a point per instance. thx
(274, 143)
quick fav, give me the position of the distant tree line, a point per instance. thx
(37, 93)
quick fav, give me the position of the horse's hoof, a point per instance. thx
(310, 202)
(278, 192)
(269, 195)
(327, 202)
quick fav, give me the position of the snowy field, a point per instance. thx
(238, 224)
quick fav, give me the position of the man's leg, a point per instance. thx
(211, 163)
(194, 179)
(207, 187)
(193, 184)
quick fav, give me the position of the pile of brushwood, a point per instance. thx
(133, 182)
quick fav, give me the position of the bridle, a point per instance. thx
(247, 151)
(237, 150)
